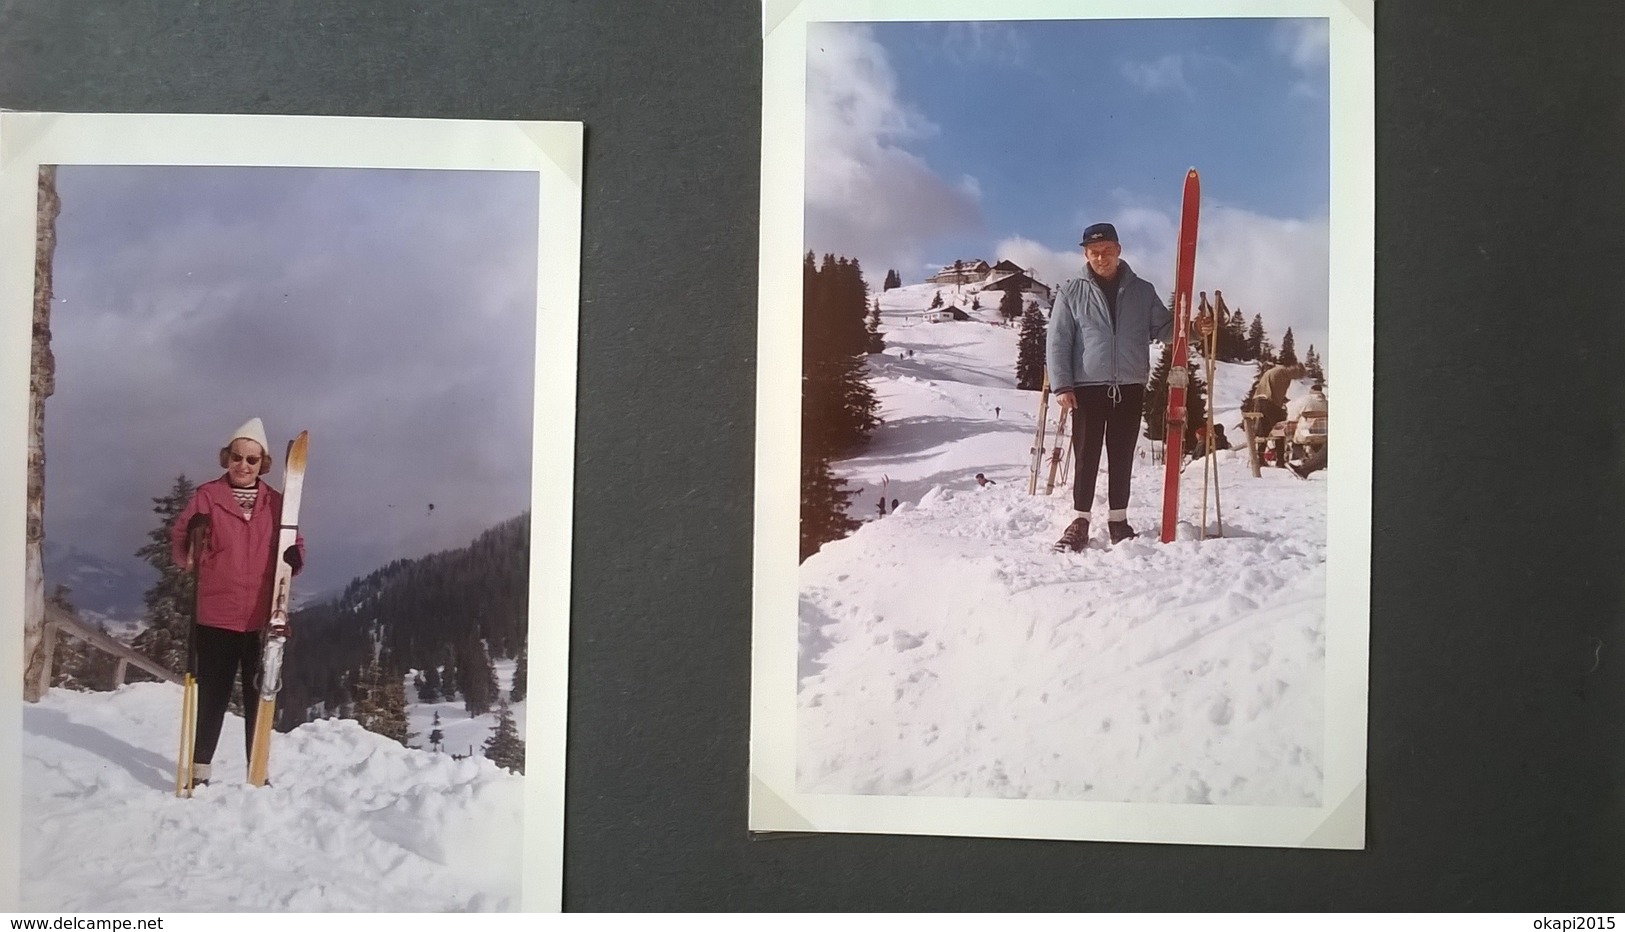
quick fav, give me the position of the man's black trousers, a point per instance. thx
(1113, 416)
(221, 656)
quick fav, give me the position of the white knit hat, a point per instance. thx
(253, 430)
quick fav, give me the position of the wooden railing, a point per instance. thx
(58, 620)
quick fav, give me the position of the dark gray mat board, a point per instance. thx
(1496, 750)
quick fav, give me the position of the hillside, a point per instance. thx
(946, 651)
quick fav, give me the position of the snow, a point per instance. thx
(946, 651)
(460, 731)
(352, 822)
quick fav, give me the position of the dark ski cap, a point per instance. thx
(1099, 233)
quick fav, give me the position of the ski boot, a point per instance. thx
(1075, 538)
(1120, 531)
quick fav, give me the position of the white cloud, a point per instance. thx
(1051, 267)
(1304, 42)
(1165, 74)
(867, 195)
(1264, 265)
(985, 42)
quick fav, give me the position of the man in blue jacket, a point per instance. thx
(1099, 356)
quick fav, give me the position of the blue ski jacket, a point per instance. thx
(1085, 349)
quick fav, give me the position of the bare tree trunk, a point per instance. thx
(41, 384)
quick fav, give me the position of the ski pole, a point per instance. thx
(197, 535)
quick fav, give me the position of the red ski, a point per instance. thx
(1179, 369)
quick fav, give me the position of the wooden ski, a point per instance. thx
(293, 484)
(1179, 368)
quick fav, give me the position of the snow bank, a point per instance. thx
(352, 822)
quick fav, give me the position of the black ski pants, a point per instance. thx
(221, 656)
(1113, 417)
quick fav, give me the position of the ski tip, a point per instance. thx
(296, 451)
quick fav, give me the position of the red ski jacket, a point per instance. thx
(238, 567)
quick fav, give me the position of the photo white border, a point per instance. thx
(775, 804)
(551, 149)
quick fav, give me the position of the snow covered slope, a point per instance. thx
(353, 821)
(945, 651)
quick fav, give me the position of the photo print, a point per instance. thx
(297, 388)
(1057, 550)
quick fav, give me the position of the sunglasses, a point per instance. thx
(251, 460)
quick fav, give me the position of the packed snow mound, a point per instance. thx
(945, 650)
(352, 822)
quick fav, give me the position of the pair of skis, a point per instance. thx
(1038, 442)
(270, 676)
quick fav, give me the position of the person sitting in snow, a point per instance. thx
(1220, 441)
(235, 571)
(1099, 356)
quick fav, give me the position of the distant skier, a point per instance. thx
(983, 482)
(234, 575)
(995, 412)
(1099, 356)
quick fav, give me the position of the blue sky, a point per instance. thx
(1006, 138)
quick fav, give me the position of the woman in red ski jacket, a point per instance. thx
(235, 571)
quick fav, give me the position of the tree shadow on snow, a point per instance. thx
(147, 767)
(913, 438)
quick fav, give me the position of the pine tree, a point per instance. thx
(1156, 400)
(381, 702)
(936, 300)
(430, 690)
(1230, 345)
(1289, 353)
(976, 302)
(1030, 349)
(476, 677)
(838, 406)
(1256, 338)
(517, 693)
(449, 676)
(877, 342)
(436, 736)
(893, 280)
(824, 502)
(1312, 363)
(168, 617)
(505, 748)
(1010, 305)
(1236, 333)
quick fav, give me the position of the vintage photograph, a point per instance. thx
(283, 418)
(1070, 349)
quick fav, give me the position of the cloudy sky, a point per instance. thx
(928, 142)
(390, 313)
